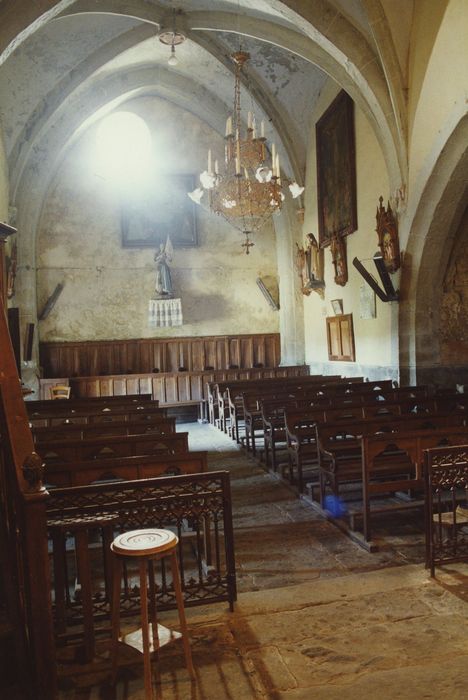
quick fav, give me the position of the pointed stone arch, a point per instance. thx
(430, 243)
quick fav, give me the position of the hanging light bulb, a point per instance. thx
(172, 37)
(172, 60)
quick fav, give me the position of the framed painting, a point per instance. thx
(336, 170)
(162, 210)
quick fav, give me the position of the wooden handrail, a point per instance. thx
(24, 533)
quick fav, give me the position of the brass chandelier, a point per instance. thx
(250, 189)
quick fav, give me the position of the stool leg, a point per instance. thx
(180, 607)
(145, 630)
(115, 614)
(153, 612)
(153, 606)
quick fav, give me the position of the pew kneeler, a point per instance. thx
(147, 546)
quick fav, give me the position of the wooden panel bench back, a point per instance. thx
(86, 431)
(80, 473)
(112, 446)
(82, 417)
(44, 405)
(341, 394)
(340, 448)
(397, 448)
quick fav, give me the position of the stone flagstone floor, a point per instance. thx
(317, 617)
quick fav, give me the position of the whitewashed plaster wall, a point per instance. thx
(375, 339)
(438, 87)
(107, 287)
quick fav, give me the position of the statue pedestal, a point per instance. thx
(163, 313)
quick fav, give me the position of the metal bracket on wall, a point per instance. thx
(51, 301)
(267, 294)
(388, 293)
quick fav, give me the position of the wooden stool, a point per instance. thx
(147, 546)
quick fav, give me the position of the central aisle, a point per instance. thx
(279, 539)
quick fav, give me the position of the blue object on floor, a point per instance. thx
(335, 506)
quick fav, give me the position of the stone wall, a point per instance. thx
(453, 318)
(107, 287)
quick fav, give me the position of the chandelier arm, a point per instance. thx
(249, 191)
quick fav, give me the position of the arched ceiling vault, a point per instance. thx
(293, 45)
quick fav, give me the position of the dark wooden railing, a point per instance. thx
(142, 356)
(196, 507)
(24, 565)
(446, 487)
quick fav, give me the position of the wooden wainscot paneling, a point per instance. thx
(170, 388)
(113, 357)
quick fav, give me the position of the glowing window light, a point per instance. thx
(124, 148)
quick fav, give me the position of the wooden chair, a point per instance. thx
(59, 391)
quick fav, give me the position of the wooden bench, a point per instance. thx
(80, 473)
(231, 390)
(245, 406)
(112, 446)
(77, 401)
(107, 415)
(301, 429)
(256, 419)
(89, 430)
(409, 446)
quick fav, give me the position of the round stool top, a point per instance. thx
(140, 543)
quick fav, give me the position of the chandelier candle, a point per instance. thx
(249, 190)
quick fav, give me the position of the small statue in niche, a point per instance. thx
(309, 263)
(387, 230)
(163, 284)
(338, 251)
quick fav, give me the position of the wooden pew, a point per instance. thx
(112, 446)
(89, 430)
(353, 406)
(81, 473)
(243, 404)
(408, 446)
(256, 419)
(302, 436)
(219, 398)
(92, 415)
(97, 402)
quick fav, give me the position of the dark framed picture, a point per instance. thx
(336, 170)
(162, 210)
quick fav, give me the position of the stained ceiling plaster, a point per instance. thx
(78, 50)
